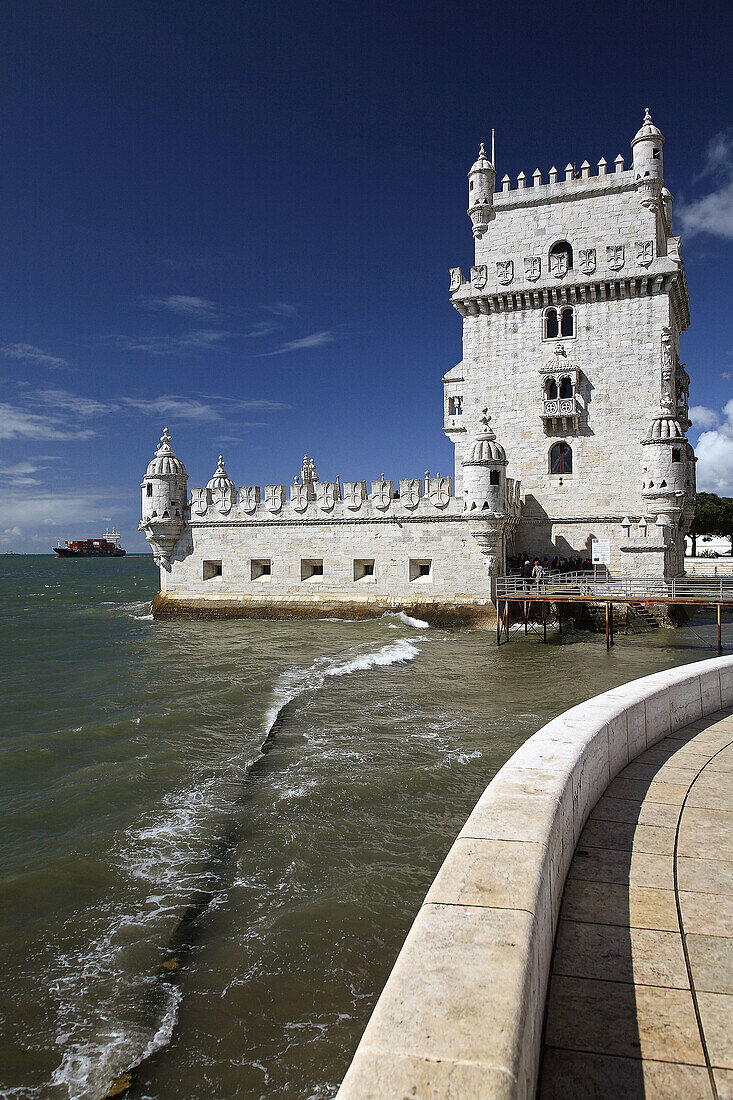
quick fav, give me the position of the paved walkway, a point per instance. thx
(641, 995)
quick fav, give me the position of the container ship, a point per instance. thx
(106, 547)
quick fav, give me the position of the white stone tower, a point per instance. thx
(481, 180)
(484, 495)
(164, 500)
(575, 284)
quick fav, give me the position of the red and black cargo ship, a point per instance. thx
(106, 547)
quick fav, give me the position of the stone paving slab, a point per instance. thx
(640, 1002)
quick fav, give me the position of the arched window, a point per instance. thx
(561, 458)
(493, 477)
(551, 389)
(552, 327)
(566, 387)
(560, 247)
(567, 322)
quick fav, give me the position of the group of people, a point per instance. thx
(534, 568)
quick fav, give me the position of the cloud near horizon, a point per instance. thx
(713, 213)
(714, 450)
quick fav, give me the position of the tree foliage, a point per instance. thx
(713, 516)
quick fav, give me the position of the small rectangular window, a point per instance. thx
(149, 489)
(421, 569)
(211, 569)
(455, 406)
(260, 567)
(311, 567)
(363, 569)
(676, 454)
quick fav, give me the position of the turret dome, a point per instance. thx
(165, 463)
(482, 161)
(663, 429)
(485, 448)
(647, 129)
(221, 480)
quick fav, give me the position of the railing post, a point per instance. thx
(720, 642)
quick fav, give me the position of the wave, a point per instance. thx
(296, 681)
(168, 854)
(405, 619)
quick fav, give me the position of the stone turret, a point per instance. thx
(648, 163)
(164, 499)
(222, 488)
(484, 494)
(666, 475)
(481, 178)
(484, 472)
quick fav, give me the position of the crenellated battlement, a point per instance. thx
(572, 174)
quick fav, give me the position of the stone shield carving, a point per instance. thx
(249, 498)
(456, 279)
(199, 501)
(299, 497)
(532, 267)
(382, 493)
(274, 497)
(223, 500)
(644, 252)
(615, 256)
(326, 495)
(439, 489)
(559, 264)
(505, 271)
(354, 494)
(587, 260)
(410, 491)
(479, 276)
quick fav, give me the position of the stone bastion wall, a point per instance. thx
(462, 1012)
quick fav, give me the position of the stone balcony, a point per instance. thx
(561, 413)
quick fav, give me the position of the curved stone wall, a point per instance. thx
(462, 1011)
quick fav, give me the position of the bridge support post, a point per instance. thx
(544, 621)
(720, 641)
(609, 626)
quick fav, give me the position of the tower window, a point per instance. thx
(656, 154)
(551, 389)
(311, 567)
(149, 489)
(676, 455)
(567, 325)
(421, 569)
(552, 329)
(493, 477)
(563, 247)
(211, 569)
(561, 458)
(566, 387)
(455, 406)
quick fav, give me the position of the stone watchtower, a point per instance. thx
(164, 501)
(572, 315)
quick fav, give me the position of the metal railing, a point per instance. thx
(594, 587)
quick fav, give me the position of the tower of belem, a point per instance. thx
(567, 413)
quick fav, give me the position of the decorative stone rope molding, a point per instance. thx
(461, 1014)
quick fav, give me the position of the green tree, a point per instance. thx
(713, 516)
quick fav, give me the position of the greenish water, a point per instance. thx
(134, 793)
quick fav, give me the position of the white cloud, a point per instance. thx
(281, 309)
(714, 452)
(177, 408)
(20, 423)
(315, 340)
(35, 516)
(186, 304)
(713, 213)
(31, 354)
(703, 417)
(170, 345)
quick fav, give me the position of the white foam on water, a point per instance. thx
(297, 681)
(144, 618)
(166, 853)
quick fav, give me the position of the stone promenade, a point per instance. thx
(641, 995)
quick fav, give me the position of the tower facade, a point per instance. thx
(572, 315)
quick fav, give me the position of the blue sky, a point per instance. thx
(238, 219)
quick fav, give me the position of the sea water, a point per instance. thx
(217, 917)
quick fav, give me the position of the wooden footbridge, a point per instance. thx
(538, 604)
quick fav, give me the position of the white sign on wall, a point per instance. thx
(601, 551)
